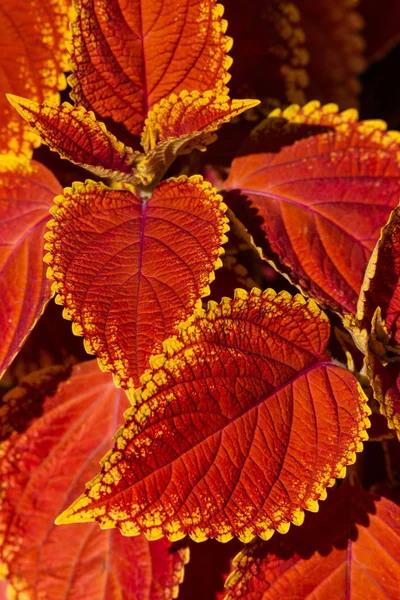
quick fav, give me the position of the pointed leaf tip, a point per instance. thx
(77, 136)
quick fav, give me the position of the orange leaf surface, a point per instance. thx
(127, 57)
(349, 550)
(42, 467)
(27, 190)
(323, 199)
(238, 427)
(381, 287)
(179, 124)
(32, 60)
(75, 134)
(128, 270)
(296, 50)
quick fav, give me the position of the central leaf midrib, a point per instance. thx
(304, 372)
(136, 317)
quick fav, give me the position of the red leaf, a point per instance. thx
(32, 61)
(381, 288)
(127, 57)
(376, 326)
(75, 134)
(239, 427)
(293, 51)
(41, 470)
(27, 190)
(128, 270)
(323, 199)
(351, 549)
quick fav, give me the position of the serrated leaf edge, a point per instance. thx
(67, 313)
(171, 346)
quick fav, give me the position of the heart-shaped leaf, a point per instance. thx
(129, 270)
(239, 426)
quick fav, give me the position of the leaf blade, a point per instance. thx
(220, 410)
(26, 194)
(127, 271)
(57, 444)
(352, 544)
(75, 134)
(151, 70)
(179, 124)
(317, 232)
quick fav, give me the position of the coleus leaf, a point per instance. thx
(75, 134)
(32, 60)
(175, 126)
(128, 270)
(239, 426)
(179, 124)
(375, 328)
(126, 58)
(382, 27)
(296, 50)
(66, 432)
(27, 190)
(380, 293)
(323, 199)
(350, 549)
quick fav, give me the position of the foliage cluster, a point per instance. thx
(241, 297)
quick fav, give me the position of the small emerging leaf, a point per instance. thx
(385, 383)
(127, 57)
(75, 134)
(239, 426)
(129, 270)
(27, 190)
